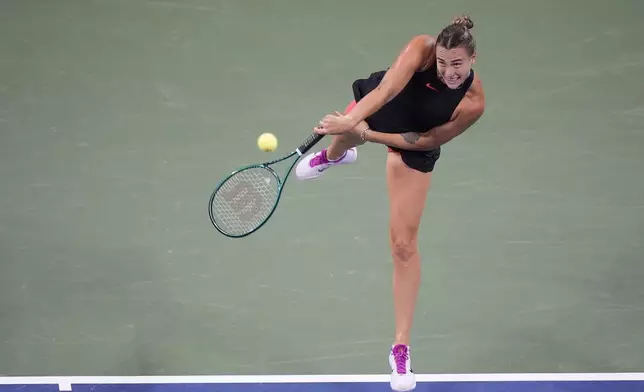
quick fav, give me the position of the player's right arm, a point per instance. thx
(410, 59)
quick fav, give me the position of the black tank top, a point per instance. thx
(424, 103)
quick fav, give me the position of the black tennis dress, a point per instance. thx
(423, 104)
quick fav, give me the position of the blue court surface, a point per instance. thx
(606, 382)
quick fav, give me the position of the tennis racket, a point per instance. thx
(247, 198)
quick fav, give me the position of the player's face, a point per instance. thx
(453, 65)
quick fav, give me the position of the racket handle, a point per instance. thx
(309, 143)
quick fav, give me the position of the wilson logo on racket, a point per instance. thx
(244, 200)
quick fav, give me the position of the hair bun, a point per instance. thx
(463, 20)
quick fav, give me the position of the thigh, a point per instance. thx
(407, 189)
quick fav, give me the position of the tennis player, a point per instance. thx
(428, 96)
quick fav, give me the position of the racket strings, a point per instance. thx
(245, 200)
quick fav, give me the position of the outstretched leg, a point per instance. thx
(407, 190)
(341, 143)
(342, 150)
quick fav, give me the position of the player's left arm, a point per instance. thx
(468, 112)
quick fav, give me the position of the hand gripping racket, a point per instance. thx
(247, 198)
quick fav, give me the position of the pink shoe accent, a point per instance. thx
(400, 356)
(321, 159)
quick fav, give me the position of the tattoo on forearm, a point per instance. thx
(411, 137)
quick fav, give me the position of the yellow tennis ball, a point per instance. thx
(267, 142)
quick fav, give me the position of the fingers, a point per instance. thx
(326, 131)
(320, 131)
(330, 124)
(335, 118)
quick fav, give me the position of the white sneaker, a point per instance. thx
(402, 376)
(313, 165)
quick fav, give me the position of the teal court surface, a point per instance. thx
(118, 118)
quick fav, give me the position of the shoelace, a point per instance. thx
(319, 159)
(401, 356)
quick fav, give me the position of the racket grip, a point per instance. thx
(309, 143)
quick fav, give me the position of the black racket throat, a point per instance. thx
(309, 143)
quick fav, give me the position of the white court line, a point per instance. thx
(65, 383)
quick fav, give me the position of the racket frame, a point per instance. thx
(281, 183)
